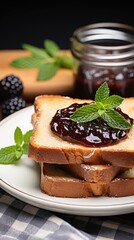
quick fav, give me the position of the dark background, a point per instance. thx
(32, 23)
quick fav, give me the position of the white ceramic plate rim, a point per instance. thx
(93, 206)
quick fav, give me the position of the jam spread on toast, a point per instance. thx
(96, 133)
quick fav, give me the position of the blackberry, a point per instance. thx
(10, 86)
(12, 105)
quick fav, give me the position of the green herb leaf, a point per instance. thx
(40, 52)
(115, 120)
(49, 57)
(85, 113)
(113, 101)
(101, 111)
(103, 108)
(19, 153)
(47, 71)
(8, 155)
(27, 136)
(100, 106)
(51, 47)
(27, 62)
(25, 148)
(66, 61)
(11, 154)
(102, 93)
(18, 136)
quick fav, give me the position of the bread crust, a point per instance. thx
(120, 187)
(63, 182)
(102, 174)
(57, 182)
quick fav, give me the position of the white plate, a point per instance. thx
(23, 180)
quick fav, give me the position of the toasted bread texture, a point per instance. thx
(63, 183)
(59, 183)
(46, 146)
(93, 173)
(123, 185)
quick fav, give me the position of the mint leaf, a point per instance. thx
(102, 93)
(8, 155)
(27, 136)
(47, 60)
(103, 108)
(27, 62)
(25, 148)
(18, 136)
(115, 120)
(11, 154)
(18, 154)
(47, 71)
(51, 47)
(66, 61)
(85, 113)
(113, 101)
(101, 111)
(35, 50)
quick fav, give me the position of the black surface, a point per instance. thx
(33, 23)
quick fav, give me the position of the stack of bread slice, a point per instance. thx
(74, 170)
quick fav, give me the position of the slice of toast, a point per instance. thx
(93, 173)
(45, 146)
(61, 183)
(123, 185)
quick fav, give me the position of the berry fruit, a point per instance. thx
(12, 105)
(10, 86)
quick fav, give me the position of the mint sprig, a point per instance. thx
(47, 60)
(11, 154)
(51, 47)
(103, 107)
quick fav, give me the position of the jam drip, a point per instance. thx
(95, 133)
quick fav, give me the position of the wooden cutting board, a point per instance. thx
(62, 83)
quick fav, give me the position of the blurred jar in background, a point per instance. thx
(103, 52)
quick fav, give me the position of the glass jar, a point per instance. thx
(103, 52)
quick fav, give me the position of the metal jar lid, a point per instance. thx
(104, 44)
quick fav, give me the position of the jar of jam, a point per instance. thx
(103, 52)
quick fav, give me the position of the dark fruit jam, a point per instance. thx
(88, 79)
(95, 133)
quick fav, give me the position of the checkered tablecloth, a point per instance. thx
(22, 221)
